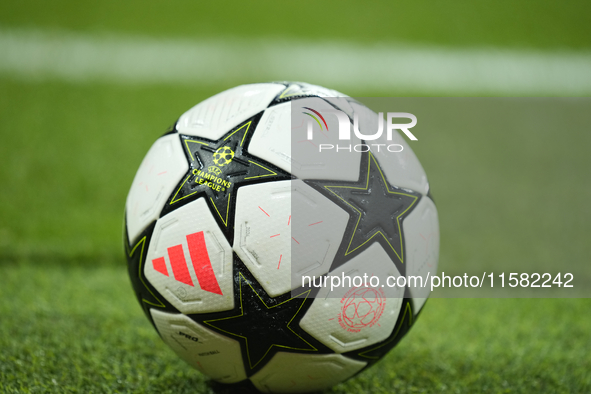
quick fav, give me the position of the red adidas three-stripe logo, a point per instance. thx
(199, 259)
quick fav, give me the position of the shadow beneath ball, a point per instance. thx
(244, 387)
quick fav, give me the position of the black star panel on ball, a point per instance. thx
(247, 324)
(262, 324)
(368, 224)
(218, 168)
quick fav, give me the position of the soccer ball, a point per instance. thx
(245, 214)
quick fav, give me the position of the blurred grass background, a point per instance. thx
(546, 24)
(68, 319)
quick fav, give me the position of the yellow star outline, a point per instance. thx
(224, 220)
(247, 125)
(142, 242)
(407, 314)
(268, 307)
(174, 199)
(271, 172)
(227, 209)
(189, 150)
(290, 88)
(348, 251)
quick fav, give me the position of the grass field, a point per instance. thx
(79, 329)
(69, 321)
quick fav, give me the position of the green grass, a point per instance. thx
(68, 329)
(509, 199)
(70, 154)
(70, 322)
(546, 24)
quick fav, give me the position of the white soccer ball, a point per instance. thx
(240, 218)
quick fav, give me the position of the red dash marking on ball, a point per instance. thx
(264, 211)
(274, 235)
(331, 319)
(315, 223)
(280, 256)
(301, 124)
(289, 220)
(162, 173)
(295, 240)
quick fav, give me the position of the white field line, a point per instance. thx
(39, 55)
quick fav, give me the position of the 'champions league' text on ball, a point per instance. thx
(345, 131)
(212, 181)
